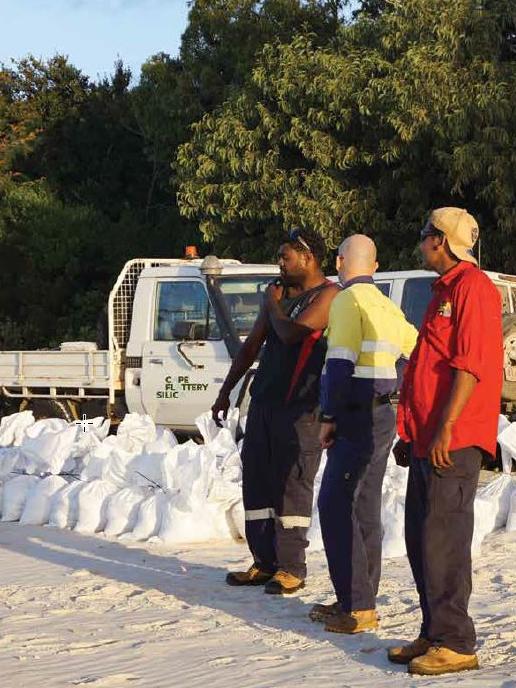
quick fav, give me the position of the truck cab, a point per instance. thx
(188, 320)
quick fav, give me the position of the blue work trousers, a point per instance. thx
(350, 504)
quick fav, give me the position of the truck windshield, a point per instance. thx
(417, 292)
(243, 296)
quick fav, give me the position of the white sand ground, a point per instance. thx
(85, 611)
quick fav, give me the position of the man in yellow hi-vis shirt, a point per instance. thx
(367, 333)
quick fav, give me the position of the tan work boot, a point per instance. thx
(406, 653)
(253, 576)
(283, 583)
(353, 622)
(442, 660)
(324, 612)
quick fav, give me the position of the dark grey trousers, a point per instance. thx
(438, 534)
(280, 459)
(350, 502)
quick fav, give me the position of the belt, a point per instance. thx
(376, 401)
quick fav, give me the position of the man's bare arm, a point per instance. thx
(462, 389)
(244, 359)
(314, 317)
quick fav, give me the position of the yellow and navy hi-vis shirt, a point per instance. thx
(366, 334)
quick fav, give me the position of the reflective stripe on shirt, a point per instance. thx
(341, 352)
(375, 372)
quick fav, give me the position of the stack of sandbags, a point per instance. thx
(492, 508)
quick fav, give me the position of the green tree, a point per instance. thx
(409, 110)
(223, 37)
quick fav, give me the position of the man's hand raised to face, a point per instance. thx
(274, 293)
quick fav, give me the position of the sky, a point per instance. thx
(93, 33)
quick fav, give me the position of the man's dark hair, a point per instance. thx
(306, 241)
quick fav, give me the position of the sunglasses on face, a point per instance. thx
(428, 231)
(295, 235)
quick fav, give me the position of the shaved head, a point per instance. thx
(358, 254)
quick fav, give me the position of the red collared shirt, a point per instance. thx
(462, 330)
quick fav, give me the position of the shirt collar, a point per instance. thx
(448, 277)
(361, 279)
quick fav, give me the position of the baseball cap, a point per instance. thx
(460, 229)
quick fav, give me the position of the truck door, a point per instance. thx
(185, 360)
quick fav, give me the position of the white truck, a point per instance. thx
(173, 328)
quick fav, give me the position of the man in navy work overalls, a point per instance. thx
(281, 451)
(366, 335)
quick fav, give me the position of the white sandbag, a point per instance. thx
(148, 520)
(499, 492)
(511, 519)
(87, 441)
(134, 431)
(189, 468)
(15, 496)
(393, 523)
(64, 507)
(236, 521)
(195, 478)
(395, 478)
(109, 461)
(93, 462)
(122, 510)
(169, 464)
(145, 469)
(13, 428)
(115, 469)
(11, 460)
(223, 445)
(503, 422)
(180, 525)
(37, 507)
(232, 469)
(485, 513)
(44, 425)
(92, 502)
(314, 535)
(47, 446)
(165, 435)
(507, 442)
(209, 430)
(224, 493)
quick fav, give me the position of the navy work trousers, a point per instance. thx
(438, 532)
(280, 458)
(350, 504)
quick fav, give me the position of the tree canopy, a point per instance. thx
(342, 116)
(411, 107)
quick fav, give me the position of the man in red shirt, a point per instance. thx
(447, 419)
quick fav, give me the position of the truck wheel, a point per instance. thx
(49, 408)
(509, 358)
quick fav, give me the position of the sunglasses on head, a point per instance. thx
(295, 235)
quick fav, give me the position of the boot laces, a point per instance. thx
(435, 649)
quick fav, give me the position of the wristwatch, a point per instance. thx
(325, 418)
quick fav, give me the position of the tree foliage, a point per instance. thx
(343, 116)
(407, 111)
